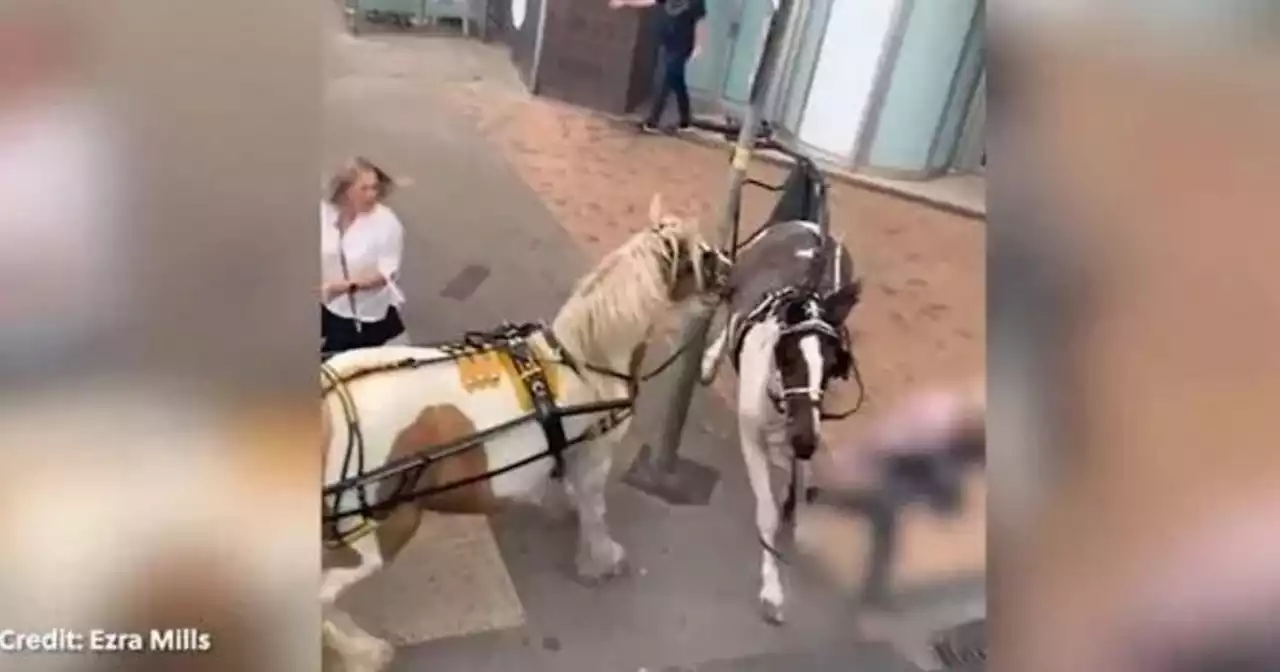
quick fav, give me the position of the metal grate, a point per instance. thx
(964, 647)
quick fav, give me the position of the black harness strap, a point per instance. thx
(773, 303)
(762, 310)
(562, 355)
(355, 443)
(408, 469)
(513, 339)
(545, 410)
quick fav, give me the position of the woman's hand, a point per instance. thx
(331, 290)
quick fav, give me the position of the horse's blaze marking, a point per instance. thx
(485, 370)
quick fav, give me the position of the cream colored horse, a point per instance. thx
(406, 411)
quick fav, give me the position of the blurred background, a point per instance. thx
(1133, 323)
(158, 165)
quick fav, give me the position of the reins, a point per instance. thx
(414, 363)
(856, 374)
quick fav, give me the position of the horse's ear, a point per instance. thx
(841, 302)
(655, 209)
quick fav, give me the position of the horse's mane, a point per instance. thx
(614, 305)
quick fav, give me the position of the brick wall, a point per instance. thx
(595, 56)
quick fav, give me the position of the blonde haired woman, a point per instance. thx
(361, 243)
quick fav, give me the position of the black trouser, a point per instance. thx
(339, 333)
(672, 81)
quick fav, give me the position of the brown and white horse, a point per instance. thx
(406, 411)
(794, 286)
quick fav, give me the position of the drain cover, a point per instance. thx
(964, 647)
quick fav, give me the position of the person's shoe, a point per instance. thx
(684, 126)
(649, 127)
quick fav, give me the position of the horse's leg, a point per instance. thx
(558, 500)
(752, 407)
(360, 651)
(800, 489)
(348, 639)
(599, 556)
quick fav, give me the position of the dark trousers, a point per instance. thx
(339, 333)
(672, 66)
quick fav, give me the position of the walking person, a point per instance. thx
(679, 34)
(361, 244)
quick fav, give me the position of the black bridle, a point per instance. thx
(814, 322)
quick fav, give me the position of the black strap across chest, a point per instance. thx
(534, 378)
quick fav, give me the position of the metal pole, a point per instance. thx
(663, 461)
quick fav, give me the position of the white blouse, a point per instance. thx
(374, 242)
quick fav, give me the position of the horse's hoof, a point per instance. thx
(377, 657)
(772, 613)
(592, 578)
(592, 572)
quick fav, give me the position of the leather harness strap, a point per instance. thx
(534, 378)
(354, 451)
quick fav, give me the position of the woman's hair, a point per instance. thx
(350, 171)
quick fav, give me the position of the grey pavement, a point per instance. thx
(689, 602)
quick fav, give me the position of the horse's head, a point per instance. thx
(813, 348)
(695, 268)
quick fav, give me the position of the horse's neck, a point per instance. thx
(766, 332)
(610, 317)
(615, 351)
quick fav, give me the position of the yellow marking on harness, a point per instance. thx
(479, 370)
(365, 528)
(485, 370)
